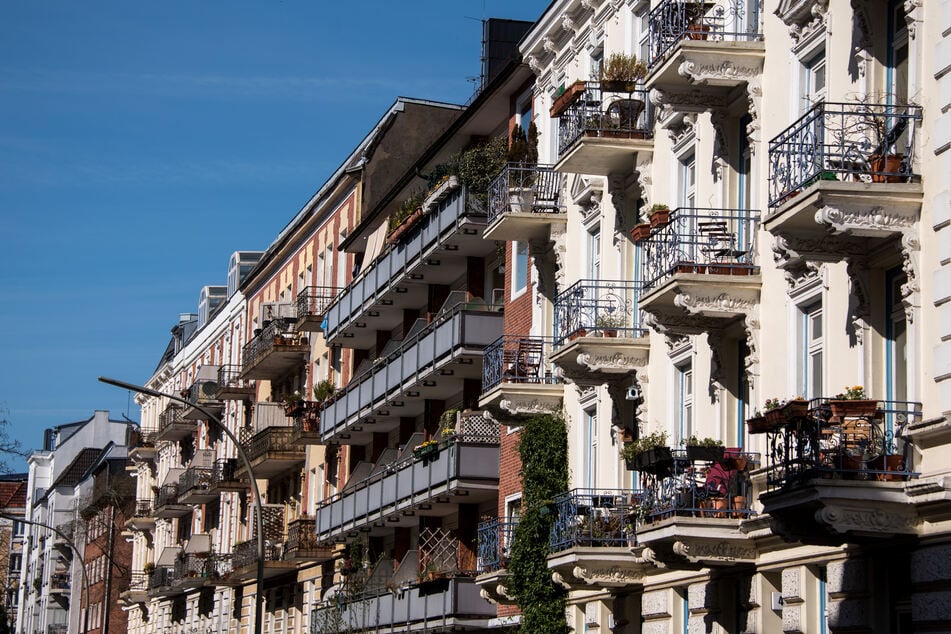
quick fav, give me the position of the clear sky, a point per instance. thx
(141, 143)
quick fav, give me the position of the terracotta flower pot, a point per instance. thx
(853, 408)
(885, 169)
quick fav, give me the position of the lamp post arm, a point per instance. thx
(258, 506)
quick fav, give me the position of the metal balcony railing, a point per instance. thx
(832, 441)
(603, 307)
(172, 415)
(314, 300)
(167, 495)
(302, 534)
(229, 377)
(495, 540)
(195, 480)
(699, 488)
(442, 554)
(597, 112)
(246, 553)
(722, 21)
(59, 582)
(143, 508)
(219, 565)
(190, 566)
(139, 581)
(202, 391)
(161, 577)
(515, 359)
(57, 628)
(272, 439)
(526, 189)
(224, 471)
(859, 142)
(280, 332)
(143, 438)
(700, 241)
(593, 517)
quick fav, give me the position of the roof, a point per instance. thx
(74, 473)
(13, 494)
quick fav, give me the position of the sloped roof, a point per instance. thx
(13, 494)
(74, 473)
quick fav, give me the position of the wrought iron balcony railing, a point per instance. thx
(272, 439)
(716, 241)
(161, 577)
(229, 378)
(698, 488)
(857, 440)
(495, 540)
(219, 565)
(143, 508)
(593, 517)
(442, 554)
(302, 534)
(525, 189)
(224, 471)
(194, 480)
(167, 495)
(314, 300)
(172, 415)
(858, 142)
(515, 359)
(139, 581)
(597, 112)
(604, 307)
(246, 553)
(143, 438)
(722, 21)
(190, 566)
(280, 332)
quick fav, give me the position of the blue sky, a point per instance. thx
(141, 143)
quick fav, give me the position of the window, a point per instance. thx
(594, 253)
(813, 80)
(597, 60)
(896, 342)
(590, 422)
(513, 511)
(811, 344)
(897, 63)
(523, 110)
(519, 267)
(684, 390)
(19, 528)
(688, 182)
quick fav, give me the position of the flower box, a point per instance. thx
(426, 451)
(657, 460)
(853, 408)
(697, 453)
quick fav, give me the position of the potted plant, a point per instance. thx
(403, 219)
(757, 424)
(649, 453)
(853, 403)
(293, 403)
(447, 423)
(522, 158)
(148, 568)
(426, 449)
(659, 215)
(641, 232)
(565, 97)
(324, 390)
(622, 73)
(609, 324)
(704, 449)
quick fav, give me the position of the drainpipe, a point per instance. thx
(108, 594)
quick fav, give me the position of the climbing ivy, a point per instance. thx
(543, 449)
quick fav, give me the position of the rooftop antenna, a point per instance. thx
(479, 80)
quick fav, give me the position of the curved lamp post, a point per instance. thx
(79, 555)
(258, 507)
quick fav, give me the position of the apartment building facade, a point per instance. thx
(13, 494)
(733, 238)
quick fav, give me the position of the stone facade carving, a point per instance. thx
(866, 519)
(909, 290)
(608, 575)
(859, 311)
(702, 72)
(751, 326)
(725, 303)
(715, 550)
(849, 218)
(530, 406)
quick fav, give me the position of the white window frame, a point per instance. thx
(809, 347)
(519, 280)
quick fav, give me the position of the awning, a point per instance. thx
(168, 556)
(199, 543)
(172, 476)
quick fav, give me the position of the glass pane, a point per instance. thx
(815, 386)
(815, 325)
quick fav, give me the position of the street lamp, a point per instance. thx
(259, 509)
(79, 555)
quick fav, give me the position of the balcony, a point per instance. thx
(191, 570)
(456, 606)
(837, 472)
(699, 270)
(219, 570)
(138, 591)
(602, 130)
(525, 204)
(143, 518)
(841, 181)
(270, 443)
(173, 426)
(518, 378)
(463, 468)
(60, 583)
(592, 539)
(307, 423)
(203, 393)
(65, 531)
(690, 512)
(274, 352)
(231, 387)
(224, 476)
(244, 560)
(142, 445)
(596, 340)
(194, 486)
(495, 540)
(166, 501)
(703, 53)
(432, 252)
(161, 583)
(430, 363)
(302, 542)
(312, 303)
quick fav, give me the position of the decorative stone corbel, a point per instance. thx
(909, 290)
(754, 92)
(567, 24)
(858, 300)
(913, 16)
(715, 341)
(642, 171)
(751, 325)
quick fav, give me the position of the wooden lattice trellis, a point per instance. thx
(438, 551)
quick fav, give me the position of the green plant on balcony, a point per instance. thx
(523, 148)
(293, 402)
(324, 390)
(447, 422)
(406, 216)
(649, 453)
(478, 166)
(658, 214)
(704, 449)
(148, 568)
(621, 72)
(609, 324)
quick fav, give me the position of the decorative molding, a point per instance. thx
(723, 303)
(849, 218)
(608, 576)
(867, 519)
(612, 361)
(803, 17)
(530, 406)
(535, 64)
(567, 24)
(859, 311)
(910, 289)
(913, 15)
(702, 72)
(751, 325)
(698, 551)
